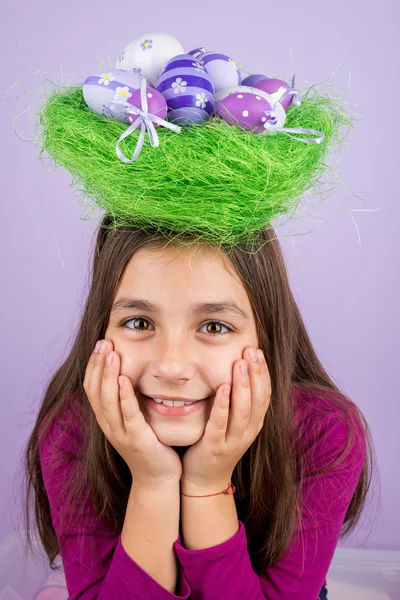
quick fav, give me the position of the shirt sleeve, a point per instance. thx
(96, 565)
(225, 572)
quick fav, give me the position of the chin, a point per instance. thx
(177, 439)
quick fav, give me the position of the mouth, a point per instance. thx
(173, 400)
(167, 407)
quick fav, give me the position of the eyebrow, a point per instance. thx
(226, 306)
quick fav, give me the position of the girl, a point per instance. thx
(192, 445)
(110, 466)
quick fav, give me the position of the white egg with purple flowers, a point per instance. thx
(107, 86)
(188, 90)
(223, 70)
(148, 54)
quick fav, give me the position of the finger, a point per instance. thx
(92, 384)
(89, 366)
(134, 421)
(218, 420)
(260, 384)
(109, 395)
(240, 402)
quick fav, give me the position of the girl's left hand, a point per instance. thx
(234, 423)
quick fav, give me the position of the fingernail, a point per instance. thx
(243, 368)
(102, 347)
(109, 359)
(253, 355)
(96, 348)
(260, 355)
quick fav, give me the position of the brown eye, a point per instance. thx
(218, 325)
(214, 327)
(142, 322)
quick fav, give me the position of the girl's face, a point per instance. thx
(179, 347)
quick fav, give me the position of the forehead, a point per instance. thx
(199, 270)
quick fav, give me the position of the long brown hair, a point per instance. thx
(267, 497)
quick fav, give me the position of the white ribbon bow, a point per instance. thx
(145, 120)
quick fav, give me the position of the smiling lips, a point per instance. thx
(180, 410)
(174, 398)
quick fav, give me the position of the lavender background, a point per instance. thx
(348, 292)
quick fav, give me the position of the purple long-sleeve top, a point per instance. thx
(96, 565)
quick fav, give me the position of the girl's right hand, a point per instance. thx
(122, 422)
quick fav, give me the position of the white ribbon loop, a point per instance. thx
(296, 100)
(317, 140)
(270, 125)
(145, 120)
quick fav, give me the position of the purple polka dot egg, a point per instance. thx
(105, 87)
(275, 87)
(246, 110)
(279, 111)
(156, 105)
(188, 89)
(223, 70)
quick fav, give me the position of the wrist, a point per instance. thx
(202, 489)
(156, 487)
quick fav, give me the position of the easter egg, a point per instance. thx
(188, 90)
(148, 54)
(275, 87)
(156, 104)
(224, 71)
(245, 110)
(242, 90)
(253, 79)
(197, 51)
(100, 90)
(239, 88)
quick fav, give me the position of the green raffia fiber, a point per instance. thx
(214, 180)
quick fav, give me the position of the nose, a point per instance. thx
(171, 361)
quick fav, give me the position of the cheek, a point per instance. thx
(130, 364)
(218, 370)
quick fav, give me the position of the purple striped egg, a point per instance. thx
(273, 87)
(188, 89)
(245, 110)
(197, 51)
(222, 69)
(251, 80)
(100, 90)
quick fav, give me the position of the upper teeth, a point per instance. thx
(171, 402)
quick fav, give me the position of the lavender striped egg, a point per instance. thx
(245, 110)
(111, 84)
(222, 69)
(188, 90)
(274, 87)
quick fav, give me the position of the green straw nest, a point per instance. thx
(216, 181)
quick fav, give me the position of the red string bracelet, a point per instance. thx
(229, 490)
